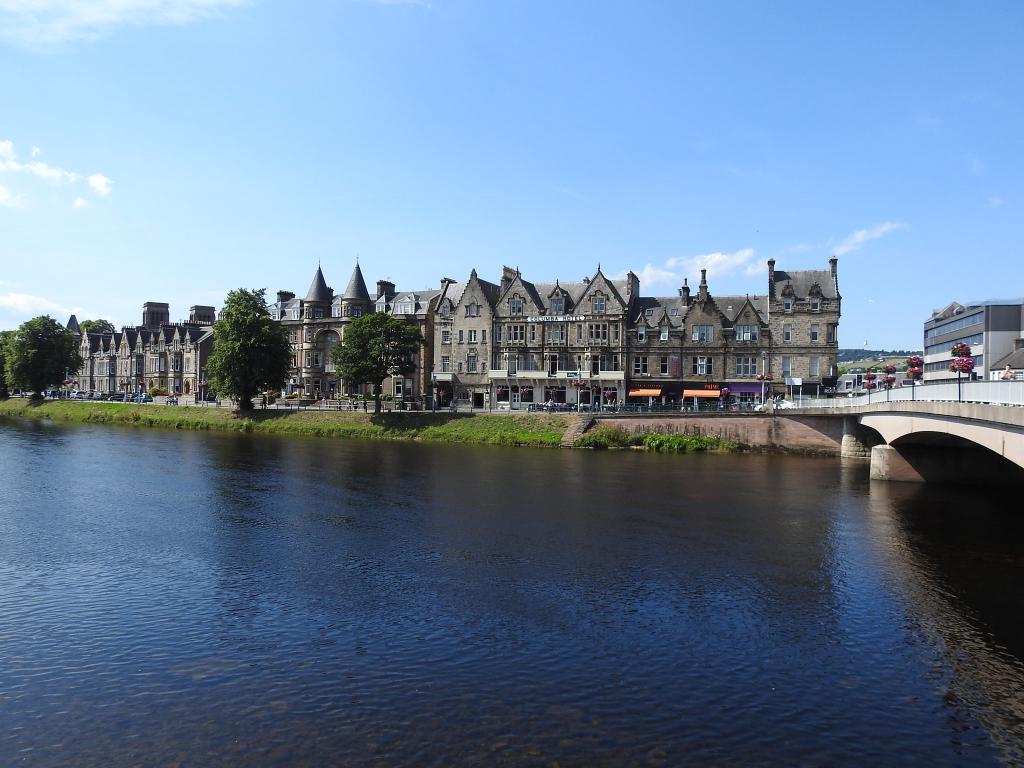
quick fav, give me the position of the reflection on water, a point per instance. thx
(219, 599)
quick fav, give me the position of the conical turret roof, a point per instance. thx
(357, 287)
(318, 290)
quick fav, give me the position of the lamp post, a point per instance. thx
(869, 381)
(962, 363)
(889, 379)
(915, 371)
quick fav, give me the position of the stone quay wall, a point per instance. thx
(821, 435)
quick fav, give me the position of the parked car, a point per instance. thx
(118, 397)
(142, 398)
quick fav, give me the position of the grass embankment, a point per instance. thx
(540, 430)
(613, 437)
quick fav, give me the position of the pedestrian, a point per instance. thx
(1007, 374)
(263, 402)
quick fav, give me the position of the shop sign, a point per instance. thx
(555, 318)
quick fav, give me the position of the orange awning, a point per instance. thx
(702, 393)
(645, 392)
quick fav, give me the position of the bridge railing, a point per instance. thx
(989, 392)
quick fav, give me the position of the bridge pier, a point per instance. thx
(942, 464)
(856, 443)
(887, 463)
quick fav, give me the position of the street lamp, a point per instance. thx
(889, 379)
(915, 371)
(962, 363)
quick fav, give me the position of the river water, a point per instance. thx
(191, 599)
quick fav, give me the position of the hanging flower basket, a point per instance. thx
(962, 365)
(915, 361)
(724, 393)
(960, 350)
(764, 377)
(870, 385)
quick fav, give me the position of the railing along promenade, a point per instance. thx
(1009, 393)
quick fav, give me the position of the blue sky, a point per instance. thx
(172, 150)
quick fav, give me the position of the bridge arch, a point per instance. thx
(937, 448)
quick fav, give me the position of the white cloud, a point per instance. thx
(36, 151)
(27, 306)
(51, 174)
(8, 199)
(718, 263)
(42, 24)
(861, 236)
(651, 275)
(100, 184)
(81, 202)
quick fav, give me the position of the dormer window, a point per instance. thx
(787, 305)
(557, 306)
(515, 305)
(664, 333)
(597, 305)
(641, 333)
(649, 312)
(815, 305)
(445, 310)
(382, 305)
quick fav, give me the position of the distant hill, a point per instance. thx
(874, 355)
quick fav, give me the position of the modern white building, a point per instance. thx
(990, 328)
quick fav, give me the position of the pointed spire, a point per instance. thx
(357, 286)
(73, 325)
(318, 290)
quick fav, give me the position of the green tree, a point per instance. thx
(5, 337)
(376, 346)
(250, 350)
(40, 354)
(96, 326)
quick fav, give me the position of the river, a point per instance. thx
(190, 599)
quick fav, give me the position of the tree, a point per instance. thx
(376, 346)
(5, 336)
(96, 326)
(250, 350)
(40, 354)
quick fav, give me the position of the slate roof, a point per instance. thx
(803, 279)
(356, 289)
(318, 290)
(1015, 360)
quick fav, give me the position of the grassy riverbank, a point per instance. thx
(538, 430)
(606, 436)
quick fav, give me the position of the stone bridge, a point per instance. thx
(908, 441)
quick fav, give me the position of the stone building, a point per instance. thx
(156, 354)
(599, 342)
(517, 343)
(317, 323)
(804, 311)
